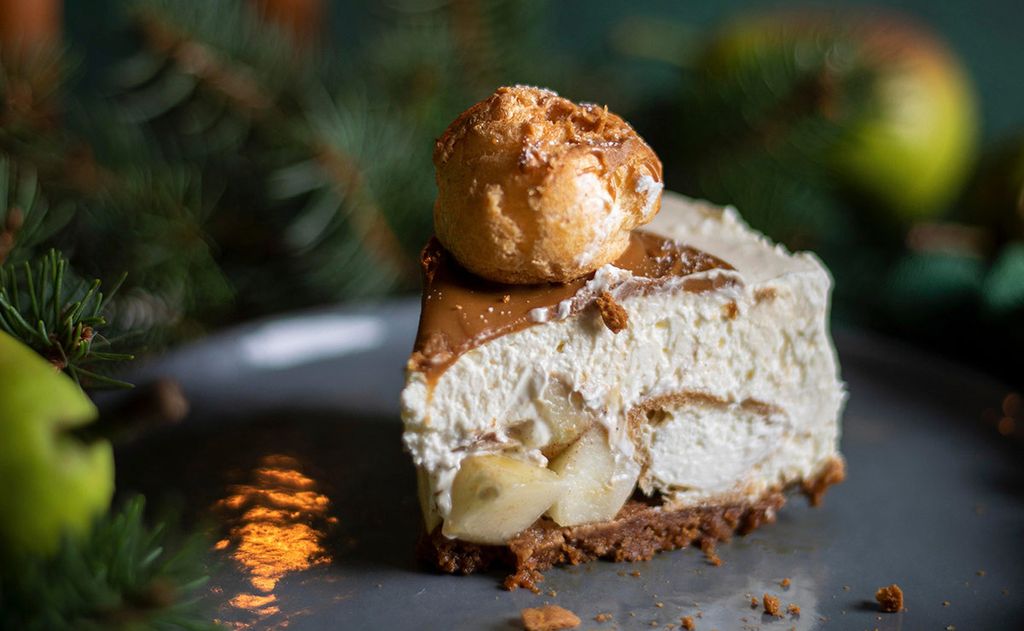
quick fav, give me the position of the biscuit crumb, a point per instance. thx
(754, 603)
(980, 572)
(659, 605)
(793, 609)
(689, 624)
(950, 627)
(945, 603)
(552, 593)
(771, 606)
(603, 617)
(785, 582)
(612, 313)
(890, 599)
(506, 298)
(549, 618)
(635, 573)
(707, 546)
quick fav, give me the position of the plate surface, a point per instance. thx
(292, 457)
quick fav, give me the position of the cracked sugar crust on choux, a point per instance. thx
(535, 188)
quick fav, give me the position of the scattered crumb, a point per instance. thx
(950, 627)
(549, 618)
(980, 572)
(659, 605)
(846, 588)
(621, 572)
(785, 582)
(754, 603)
(612, 313)
(653, 623)
(1006, 592)
(552, 593)
(635, 573)
(793, 609)
(771, 605)
(506, 298)
(945, 603)
(603, 617)
(689, 624)
(890, 599)
(707, 546)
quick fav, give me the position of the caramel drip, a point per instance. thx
(462, 311)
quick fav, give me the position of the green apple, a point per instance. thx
(915, 154)
(911, 152)
(53, 484)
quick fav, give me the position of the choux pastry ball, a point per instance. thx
(534, 188)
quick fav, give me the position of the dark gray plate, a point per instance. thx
(292, 456)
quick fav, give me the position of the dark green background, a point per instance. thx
(988, 35)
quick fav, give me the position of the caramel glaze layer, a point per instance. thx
(462, 311)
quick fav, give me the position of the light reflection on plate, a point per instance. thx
(303, 340)
(278, 524)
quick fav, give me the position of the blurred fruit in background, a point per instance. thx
(913, 151)
(840, 110)
(54, 483)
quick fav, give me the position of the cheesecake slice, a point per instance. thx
(671, 397)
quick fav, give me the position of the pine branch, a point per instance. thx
(26, 218)
(59, 316)
(207, 73)
(124, 575)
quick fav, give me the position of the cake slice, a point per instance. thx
(670, 396)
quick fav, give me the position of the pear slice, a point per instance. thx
(596, 486)
(496, 497)
(565, 415)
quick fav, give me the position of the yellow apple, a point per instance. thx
(53, 484)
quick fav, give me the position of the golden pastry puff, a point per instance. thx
(535, 188)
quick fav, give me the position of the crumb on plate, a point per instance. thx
(890, 599)
(549, 618)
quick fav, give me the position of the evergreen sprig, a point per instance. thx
(26, 217)
(60, 317)
(123, 576)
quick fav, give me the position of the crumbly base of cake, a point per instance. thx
(642, 528)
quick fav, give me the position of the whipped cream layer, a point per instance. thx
(724, 384)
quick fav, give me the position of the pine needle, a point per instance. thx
(123, 575)
(45, 307)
